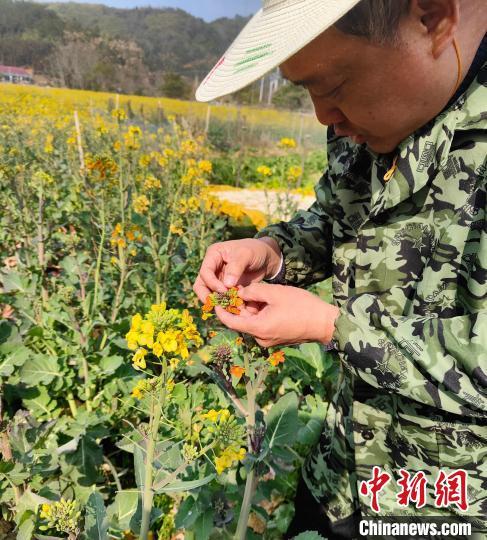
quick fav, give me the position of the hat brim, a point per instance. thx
(271, 37)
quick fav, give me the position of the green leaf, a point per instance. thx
(96, 524)
(110, 364)
(315, 356)
(12, 356)
(139, 466)
(204, 525)
(12, 281)
(5, 330)
(298, 367)
(183, 485)
(6, 466)
(41, 405)
(26, 530)
(311, 431)
(282, 421)
(86, 459)
(125, 506)
(309, 535)
(168, 455)
(187, 514)
(18, 475)
(40, 370)
(179, 393)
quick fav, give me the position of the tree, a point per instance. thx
(292, 97)
(174, 86)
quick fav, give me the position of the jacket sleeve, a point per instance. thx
(306, 240)
(441, 362)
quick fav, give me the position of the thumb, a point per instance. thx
(258, 292)
(233, 272)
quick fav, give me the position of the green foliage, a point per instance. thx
(82, 253)
(170, 38)
(96, 524)
(100, 48)
(27, 33)
(243, 172)
(282, 422)
(292, 97)
(309, 535)
(174, 86)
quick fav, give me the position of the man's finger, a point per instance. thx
(264, 343)
(236, 322)
(233, 272)
(211, 264)
(201, 290)
(259, 292)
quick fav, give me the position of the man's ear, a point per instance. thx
(440, 19)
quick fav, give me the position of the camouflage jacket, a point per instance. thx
(408, 261)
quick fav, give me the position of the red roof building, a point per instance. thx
(15, 74)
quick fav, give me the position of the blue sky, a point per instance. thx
(207, 9)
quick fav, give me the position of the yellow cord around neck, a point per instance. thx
(390, 173)
(459, 66)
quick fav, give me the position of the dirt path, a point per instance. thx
(275, 204)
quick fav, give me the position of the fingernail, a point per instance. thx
(230, 281)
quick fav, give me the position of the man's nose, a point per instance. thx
(327, 113)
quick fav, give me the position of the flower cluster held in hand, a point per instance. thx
(229, 300)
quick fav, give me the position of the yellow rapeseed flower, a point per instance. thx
(141, 204)
(287, 142)
(176, 230)
(157, 349)
(264, 170)
(151, 182)
(168, 340)
(295, 172)
(141, 388)
(229, 456)
(139, 359)
(48, 146)
(119, 114)
(144, 161)
(205, 166)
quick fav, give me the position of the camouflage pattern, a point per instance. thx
(408, 261)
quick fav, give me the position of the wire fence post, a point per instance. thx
(208, 118)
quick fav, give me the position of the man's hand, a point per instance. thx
(237, 262)
(282, 315)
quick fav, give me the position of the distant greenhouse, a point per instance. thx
(15, 75)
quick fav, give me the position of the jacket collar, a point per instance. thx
(425, 152)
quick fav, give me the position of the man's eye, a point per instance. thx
(329, 95)
(335, 92)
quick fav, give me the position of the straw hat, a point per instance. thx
(275, 33)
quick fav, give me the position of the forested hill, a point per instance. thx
(98, 47)
(171, 38)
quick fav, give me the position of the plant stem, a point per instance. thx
(250, 485)
(99, 258)
(154, 423)
(41, 255)
(86, 377)
(155, 256)
(148, 494)
(72, 405)
(114, 473)
(251, 481)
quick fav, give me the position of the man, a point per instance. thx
(399, 225)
